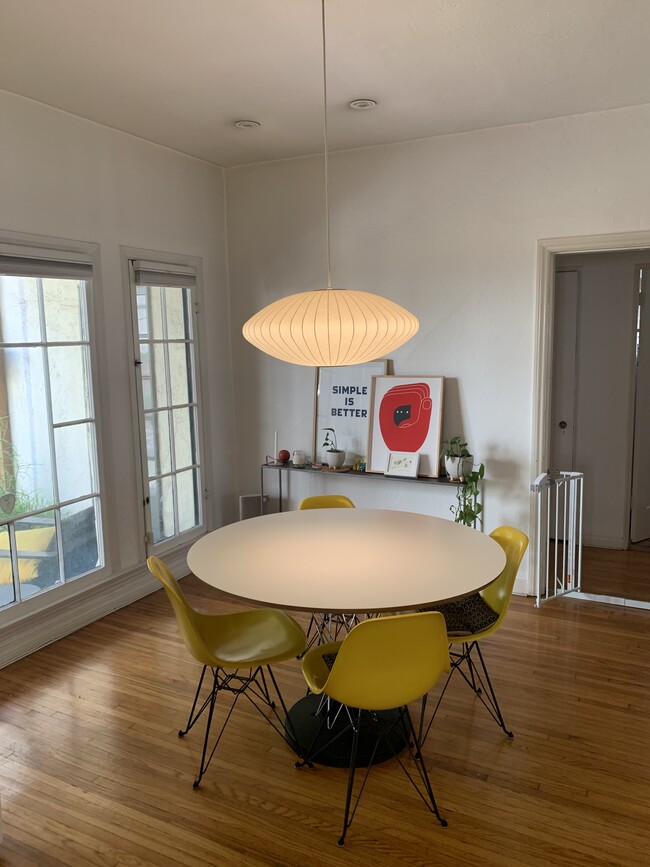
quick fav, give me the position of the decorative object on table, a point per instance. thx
(334, 456)
(405, 416)
(298, 459)
(496, 597)
(458, 459)
(330, 326)
(283, 456)
(403, 464)
(342, 397)
(467, 509)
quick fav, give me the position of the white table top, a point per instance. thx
(348, 560)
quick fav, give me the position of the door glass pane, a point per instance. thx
(180, 366)
(178, 320)
(69, 383)
(64, 310)
(75, 464)
(184, 437)
(79, 523)
(161, 497)
(159, 456)
(7, 593)
(38, 557)
(188, 500)
(19, 313)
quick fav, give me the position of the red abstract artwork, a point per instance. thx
(405, 416)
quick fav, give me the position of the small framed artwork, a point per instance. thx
(342, 402)
(405, 416)
(404, 464)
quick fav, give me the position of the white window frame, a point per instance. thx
(19, 244)
(167, 262)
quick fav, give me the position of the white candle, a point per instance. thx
(275, 445)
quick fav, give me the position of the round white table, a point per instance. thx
(347, 560)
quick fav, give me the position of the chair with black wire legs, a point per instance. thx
(236, 648)
(378, 668)
(327, 627)
(471, 620)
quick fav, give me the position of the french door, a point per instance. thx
(165, 311)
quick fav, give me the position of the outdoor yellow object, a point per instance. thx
(227, 644)
(327, 501)
(34, 542)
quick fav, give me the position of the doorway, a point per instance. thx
(592, 409)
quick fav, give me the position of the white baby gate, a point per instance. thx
(559, 533)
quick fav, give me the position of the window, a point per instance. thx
(165, 309)
(50, 514)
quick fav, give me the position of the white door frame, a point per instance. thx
(547, 250)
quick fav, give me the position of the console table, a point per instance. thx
(354, 474)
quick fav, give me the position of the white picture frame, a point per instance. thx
(403, 464)
(342, 401)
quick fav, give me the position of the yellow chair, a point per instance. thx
(494, 600)
(327, 501)
(327, 627)
(382, 664)
(226, 643)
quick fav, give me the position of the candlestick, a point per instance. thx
(275, 446)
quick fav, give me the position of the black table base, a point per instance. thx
(318, 739)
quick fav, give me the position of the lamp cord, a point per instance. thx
(327, 207)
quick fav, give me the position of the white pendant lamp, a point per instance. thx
(330, 327)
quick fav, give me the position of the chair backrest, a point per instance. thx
(499, 592)
(186, 616)
(327, 501)
(387, 662)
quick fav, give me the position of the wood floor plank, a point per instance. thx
(92, 771)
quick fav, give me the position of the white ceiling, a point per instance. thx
(180, 72)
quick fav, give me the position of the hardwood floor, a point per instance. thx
(93, 773)
(608, 572)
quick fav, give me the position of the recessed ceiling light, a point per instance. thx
(363, 104)
(247, 124)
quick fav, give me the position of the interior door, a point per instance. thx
(565, 342)
(640, 509)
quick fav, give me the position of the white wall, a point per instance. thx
(69, 178)
(448, 227)
(608, 300)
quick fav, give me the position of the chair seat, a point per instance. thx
(466, 616)
(251, 638)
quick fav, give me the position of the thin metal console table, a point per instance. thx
(354, 474)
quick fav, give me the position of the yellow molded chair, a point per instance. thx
(327, 501)
(328, 626)
(495, 598)
(227, 643)
(381, 664)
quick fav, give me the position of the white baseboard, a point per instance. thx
(604, 542)
(37, 630)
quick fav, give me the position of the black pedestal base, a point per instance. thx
(306, 722)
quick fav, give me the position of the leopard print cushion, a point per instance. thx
(466, 616)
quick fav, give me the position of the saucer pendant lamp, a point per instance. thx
(330, 327)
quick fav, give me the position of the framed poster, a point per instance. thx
(405, 416)
(342, 402)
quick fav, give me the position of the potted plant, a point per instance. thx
(335, 455)
(467, 509)
(458, 460)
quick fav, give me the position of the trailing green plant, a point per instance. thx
(330, 441)
(454, 447)
(467, 509)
